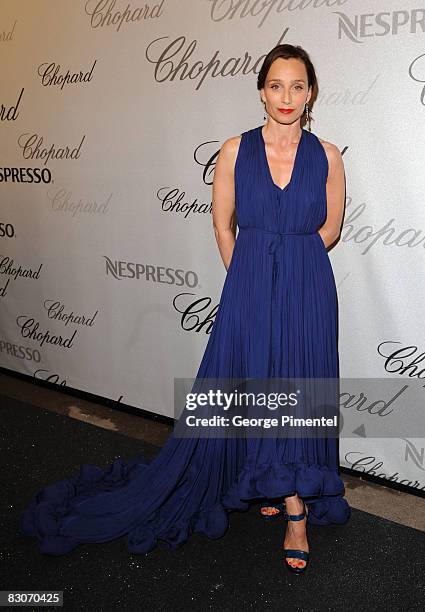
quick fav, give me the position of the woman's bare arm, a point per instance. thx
(223, 199)
(335, 195)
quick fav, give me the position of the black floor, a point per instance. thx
(368, 564)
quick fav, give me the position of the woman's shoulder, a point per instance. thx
(332, 152)
(229, 149)
(232, 142)
(231, 145)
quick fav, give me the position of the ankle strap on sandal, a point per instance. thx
(296, 517)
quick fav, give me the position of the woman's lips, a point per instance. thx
(286, 111)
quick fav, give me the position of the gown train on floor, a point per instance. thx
(277, 317)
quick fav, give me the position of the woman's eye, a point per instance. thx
(296, 86)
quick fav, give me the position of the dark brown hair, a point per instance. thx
(287, 52)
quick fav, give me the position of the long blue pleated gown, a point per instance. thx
(277, 317)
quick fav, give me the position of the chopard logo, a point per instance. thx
(362, 232)
(368, 464)
(252, 8)
(417, 73)
(10, 113)
(173, 61)
(402, 359)
(7, 36)
(7, 267)
(31, 145)
(56, 310)
(50, 75)
(103, 13)
(196, 315)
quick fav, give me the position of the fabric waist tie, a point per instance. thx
(275, 323)
(277, 241)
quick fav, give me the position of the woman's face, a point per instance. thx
(286, 87)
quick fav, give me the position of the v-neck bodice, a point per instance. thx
(266, 162)
(300, 206)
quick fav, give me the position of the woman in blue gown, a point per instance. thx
(277, 317)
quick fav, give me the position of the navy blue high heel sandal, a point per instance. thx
(270, 517)
(294, 553)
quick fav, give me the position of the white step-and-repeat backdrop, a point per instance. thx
(112, 113)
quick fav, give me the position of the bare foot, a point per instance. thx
(295, 535)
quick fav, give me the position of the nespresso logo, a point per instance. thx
(25, 175)
(148, 272)
(7, 230)
(361, 27)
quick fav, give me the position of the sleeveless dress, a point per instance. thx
(277, 317)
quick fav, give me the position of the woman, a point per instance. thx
(277, 317)
(298, 185)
